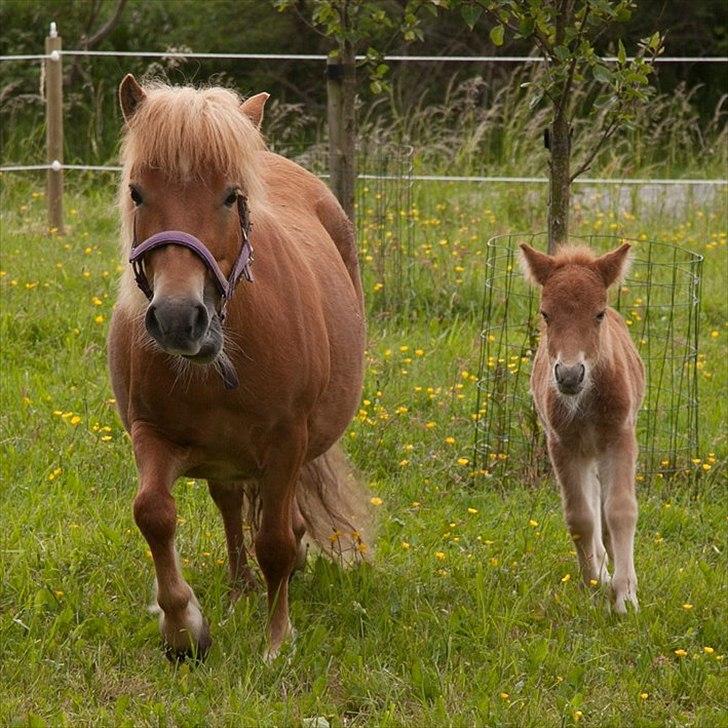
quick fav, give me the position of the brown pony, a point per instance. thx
(255, 403)
(588, 383)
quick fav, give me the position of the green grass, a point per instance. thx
(466, 615)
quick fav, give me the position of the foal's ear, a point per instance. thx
(131, 95)
(536, 266)
(253, 107)
(614, 266)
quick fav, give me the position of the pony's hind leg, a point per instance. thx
(617, 473)
(575, 476)
(184, 629)
(229, 498)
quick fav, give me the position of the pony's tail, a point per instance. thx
(334, 503)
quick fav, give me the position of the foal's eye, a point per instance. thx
(136, 196)
(231, 199)
(601, 315)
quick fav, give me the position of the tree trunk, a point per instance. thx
(559, 183)
(341, 102)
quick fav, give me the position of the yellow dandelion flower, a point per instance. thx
(565, 578)
(440, 555)
(687, 607)
(533, 523)
(405, 545)
(593, 582)
(419, 352)
(430, 425)
(708, 650)
(449, 440)
(680, 653)
(463, 461)
(75, 420)
(504, 696)
(472, 510)
(376, 501)
(578, 716)
(644, 696)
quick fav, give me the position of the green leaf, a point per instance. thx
(496, 35)
(621, 53)
(655, 41)
(471, 14)
(602, 74)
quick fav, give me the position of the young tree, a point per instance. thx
(566, 33)
(349, 26)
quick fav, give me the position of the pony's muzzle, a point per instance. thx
(569, 379)
(179, 326)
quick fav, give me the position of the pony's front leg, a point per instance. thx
(229, 498)
(276, 543)
(184, 629)
(576, 478)
(617, 474)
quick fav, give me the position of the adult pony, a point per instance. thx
(588, 383)
(244, 374)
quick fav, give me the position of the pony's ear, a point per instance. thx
(131, 95)
(253, 107)
(536, 266)
(613, 267)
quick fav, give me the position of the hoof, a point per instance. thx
(624, 593)
(195, 653)
(272, 652)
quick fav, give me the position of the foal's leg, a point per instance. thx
(275, 543)
(183, 627)
(600, 552)
(574, 476)
(617, 473)
(229, 498)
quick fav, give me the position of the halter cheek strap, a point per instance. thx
(225, 286)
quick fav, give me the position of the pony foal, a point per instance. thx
(248, 387)
(588, 383)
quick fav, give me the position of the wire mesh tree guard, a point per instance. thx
(660, 302)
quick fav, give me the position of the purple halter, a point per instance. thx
(225, 286)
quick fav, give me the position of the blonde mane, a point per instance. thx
(190, 134)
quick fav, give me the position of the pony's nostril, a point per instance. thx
(200, 321)
(582, 373)
(152, 321)
(557, 372)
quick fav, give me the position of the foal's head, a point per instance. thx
(187, 154)
(573, 307)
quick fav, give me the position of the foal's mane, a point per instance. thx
(581, 255)
(191, 135)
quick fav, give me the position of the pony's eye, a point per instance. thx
(545, 316)
(601, 315)
(136, 197)
(231, 199)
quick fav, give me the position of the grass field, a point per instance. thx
(471, 612)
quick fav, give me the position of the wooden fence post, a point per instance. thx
(54, 129)
(341, 113)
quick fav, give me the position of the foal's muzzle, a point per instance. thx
(569, 379)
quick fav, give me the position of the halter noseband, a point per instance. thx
(225, 286)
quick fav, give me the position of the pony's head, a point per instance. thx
(187, 155)
(574, 285)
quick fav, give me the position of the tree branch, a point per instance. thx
(106, 28)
